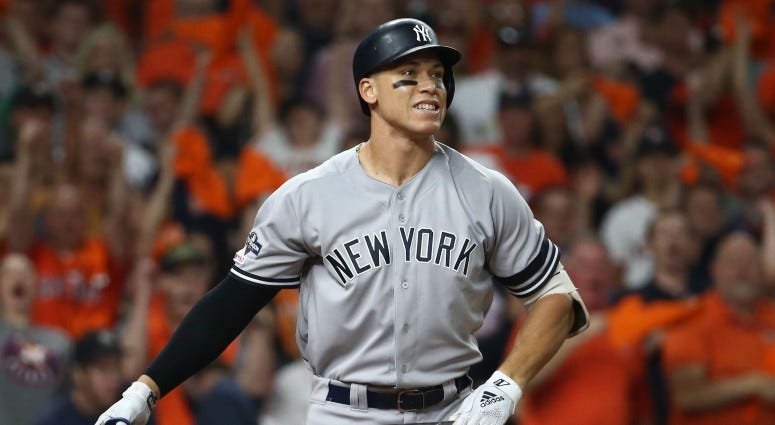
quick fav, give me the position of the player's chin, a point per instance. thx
(428, 124)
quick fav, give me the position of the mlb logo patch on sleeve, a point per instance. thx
(252, 246)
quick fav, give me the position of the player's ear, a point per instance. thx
(368, 90)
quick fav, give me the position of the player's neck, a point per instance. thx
(394, 160)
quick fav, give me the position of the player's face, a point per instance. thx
(411, 95)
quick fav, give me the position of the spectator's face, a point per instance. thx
(318, 15)
(183, 287)
(101, 103)
(99, 382)
(656, 169)
(736, 269)
(516, 125)
(303, 126)
(187, 8)
(161, 105)
(641, 8)
(703, 209)
(17, 284)
(515, 62)
(671, 242)
(555, 212)
(106, 55)
(288, 53)
(757, 175)
(403, 105)
(65, 218)
(570, 53)
(70, 25)
(591, 270)
(95, 151)
(41, 114)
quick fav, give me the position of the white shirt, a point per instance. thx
(475, 105)
(623, 231)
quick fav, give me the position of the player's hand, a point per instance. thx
(134, 408)
(490, 404)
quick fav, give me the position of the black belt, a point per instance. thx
(404, 400)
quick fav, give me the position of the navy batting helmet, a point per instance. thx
(394, 40)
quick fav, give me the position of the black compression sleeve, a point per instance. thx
(210, 326)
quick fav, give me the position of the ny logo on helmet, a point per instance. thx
(422, 31)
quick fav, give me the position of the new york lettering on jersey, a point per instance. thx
(422, 245)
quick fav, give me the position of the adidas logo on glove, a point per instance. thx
(489, 398)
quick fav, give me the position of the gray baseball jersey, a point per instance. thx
(395, 281)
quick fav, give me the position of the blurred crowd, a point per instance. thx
(138, 138)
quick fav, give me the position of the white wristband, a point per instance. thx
(143, 391)
(504, 383)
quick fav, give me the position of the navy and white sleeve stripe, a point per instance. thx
(533, 277)
(290, 282)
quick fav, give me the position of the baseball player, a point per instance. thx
(394, 245)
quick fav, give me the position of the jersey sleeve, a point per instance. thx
(522, 258)
(274, 252)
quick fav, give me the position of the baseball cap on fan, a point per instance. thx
(515, 97)
(96, 345)
(185, 253)
(106, 80)
(655, 139)
(33, 96)
(509, 36)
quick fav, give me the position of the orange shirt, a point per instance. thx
(193, 164)
(727, 162)
(726, 347)
(217, 33)
(531, 173)
(76, 292)
(725, 125)
(594, 385)
(256, 176)
(758, 13)
(631, 320)
(166, 60)
(173, 408)
(156, 17)
(765, 88)
(286, 305)
(623, 98)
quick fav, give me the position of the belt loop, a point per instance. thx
(358, 399)
(450, 389)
